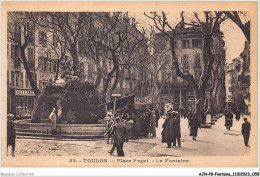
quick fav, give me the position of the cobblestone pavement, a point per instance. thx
(216, 141)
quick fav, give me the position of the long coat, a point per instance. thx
(137, 124)
(246, 127)
(194, 125)
(11, 134)
(53, 119)
(237, 114)
(168, 130)
(229, 119)
(120, 133)
(177, 128)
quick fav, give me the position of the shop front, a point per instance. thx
(24, 102)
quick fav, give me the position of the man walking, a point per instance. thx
(11, 134)
(177, 129)
(246, 127)
(229, 119)
(120, 136)
(168, 134)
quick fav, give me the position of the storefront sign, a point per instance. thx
(143, 101)
(24, 93)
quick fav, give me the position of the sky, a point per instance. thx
(233, 36)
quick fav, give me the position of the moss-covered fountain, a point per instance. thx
(77, 109)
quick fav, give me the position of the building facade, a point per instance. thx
(238, 82)
(189, 52)
(43, 53)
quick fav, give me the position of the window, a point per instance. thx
(8, 50)
(22, 80)
(42, 38)
(27, 82)
(185, 44)
(196, 43)
(17, 32)
(8, 81)
(13, 52)
(15, 55)
(30, 54)
(197, 64)
(12, 77)
(30, 58)
(185, 61)
(17, 74)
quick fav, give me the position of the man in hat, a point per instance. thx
(11, 134)
(246, 128)
(176, 128)
(120, 136)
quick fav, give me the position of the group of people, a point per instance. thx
(139, 124)
(171, 129)
(130, 125)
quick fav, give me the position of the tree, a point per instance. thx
(235, 17)
(21, 30)
(69, 26)
(209, 25)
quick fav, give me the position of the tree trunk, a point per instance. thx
(33, 83)
(122, 82)
(74, 54)
(99, 68)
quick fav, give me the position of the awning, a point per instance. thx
(120, 102)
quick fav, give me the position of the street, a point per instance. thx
(216, 141)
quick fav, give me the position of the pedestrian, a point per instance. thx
(194, 125)
(109, 128)
(137, 125)
(177, 129)
(53, 119)
(229, 119)
(246, 128)
(168, 130)
(120, 136)
(153, 124)
(237, 114)
(11, 134)
(190, 114)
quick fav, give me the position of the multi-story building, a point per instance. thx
(238, 82)
(42, 60)
(188, 42)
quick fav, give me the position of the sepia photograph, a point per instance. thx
(159, 86)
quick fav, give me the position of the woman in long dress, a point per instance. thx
(53, 119)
